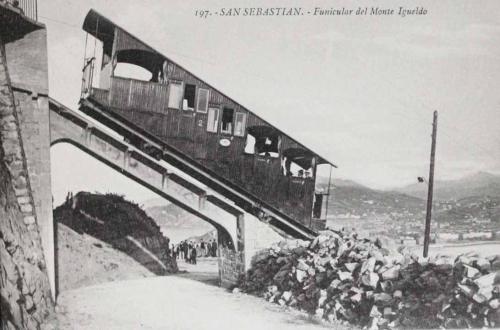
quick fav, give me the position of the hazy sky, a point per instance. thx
(358, 90)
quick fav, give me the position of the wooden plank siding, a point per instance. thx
(146, 105)
(260, 175)
(100, 95)
(126, 93)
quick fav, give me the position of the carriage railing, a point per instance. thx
(87, 77)
(28, 8)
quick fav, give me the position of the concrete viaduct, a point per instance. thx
(235, 227)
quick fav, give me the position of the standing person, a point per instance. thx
(213, 249)
(202, 247)
(193, 255)
(189, 249)
(185, 250)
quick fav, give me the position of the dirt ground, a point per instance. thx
(84, 260)
(185, 301)
(102, 288)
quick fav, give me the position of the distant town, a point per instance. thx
(465, 210)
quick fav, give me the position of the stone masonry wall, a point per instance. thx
(27, 64)
(25, 297)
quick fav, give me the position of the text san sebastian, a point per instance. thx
(261, 11)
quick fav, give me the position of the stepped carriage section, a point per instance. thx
(200, 122)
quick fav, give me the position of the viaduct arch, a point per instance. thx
(68, 126)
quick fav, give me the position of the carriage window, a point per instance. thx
(267, 146)
(262, 146)
(203, 96)
(291, 168)
(227, 121)
(213, 120)
(131, 71)
(239, 124)
(263, 141)
(250, 144)
(174, 94)
(189, 97)
(298, 164)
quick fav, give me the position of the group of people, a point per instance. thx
(190, 250)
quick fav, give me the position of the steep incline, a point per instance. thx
(115, 223)
(84, 260)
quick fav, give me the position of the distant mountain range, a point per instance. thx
(352, 200)
(479, 184)
(177, 223)
(355, 200)
(169, 215)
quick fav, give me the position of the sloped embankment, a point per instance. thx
(115, 223)
(84, 260)
(339, 276)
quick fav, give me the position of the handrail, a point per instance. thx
(87, 76)
(155, 83)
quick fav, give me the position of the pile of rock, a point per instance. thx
(339, 276)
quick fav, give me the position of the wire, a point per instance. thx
(169, 52)
(61, 22)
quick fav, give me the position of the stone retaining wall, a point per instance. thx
(25, 297)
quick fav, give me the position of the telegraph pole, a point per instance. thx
(431, 185)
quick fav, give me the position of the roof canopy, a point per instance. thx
(147, 60)
(264, 131)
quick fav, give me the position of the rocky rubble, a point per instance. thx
(339, 276)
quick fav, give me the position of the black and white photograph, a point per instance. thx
(270, 165)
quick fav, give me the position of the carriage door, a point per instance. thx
(200, 124)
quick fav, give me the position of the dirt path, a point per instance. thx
(173, 302)
(205, 271)
(188, 300)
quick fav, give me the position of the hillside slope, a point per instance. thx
(84, 260)
(471, 210)
(119, 223)
(348, 198)
(479, 184)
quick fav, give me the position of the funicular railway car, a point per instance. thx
(250, 161)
